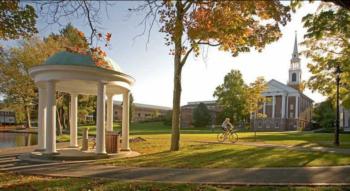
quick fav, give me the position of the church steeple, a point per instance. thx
(295, 55)
(295, 70)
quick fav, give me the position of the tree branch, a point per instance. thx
(93, 30)
(208, 43)
(187, 5)
(183, 61)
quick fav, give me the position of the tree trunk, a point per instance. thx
(175, 135)
(65, 118)
(28, 123)
(59, 129)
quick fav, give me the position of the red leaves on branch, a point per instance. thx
(96, 53)
(108, 37)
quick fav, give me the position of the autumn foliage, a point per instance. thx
(96, 53)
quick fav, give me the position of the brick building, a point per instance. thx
(187, 111)
(7, 117)
(141, 112)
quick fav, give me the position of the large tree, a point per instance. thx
(231, 95)
(15, 82)
(238, 99)
(324, 114)
(254, 95)
(255, 100)
(234, 26)
(68, 37)
(16, 21)
(201, 115)
(328, 45)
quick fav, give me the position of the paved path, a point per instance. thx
(234, 176)
(249, 176)
(9, 160)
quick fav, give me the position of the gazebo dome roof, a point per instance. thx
(70, 58)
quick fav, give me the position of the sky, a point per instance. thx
(152, 66)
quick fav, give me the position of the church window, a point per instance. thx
(294, 77)
(291, 114)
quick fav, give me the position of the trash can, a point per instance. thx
(112, 142)
(85, 145)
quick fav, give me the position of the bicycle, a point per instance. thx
(230, 134)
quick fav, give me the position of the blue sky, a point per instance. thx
(153, 67)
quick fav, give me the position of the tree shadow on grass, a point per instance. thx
(31, 183)
(228, 156)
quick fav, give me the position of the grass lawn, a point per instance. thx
(195, 153)
(11, 182)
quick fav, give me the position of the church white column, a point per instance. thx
(273, 106)
(73, 120)
(100, 121)
(283, 107)
(110, 112)
(296, 106)
(125, 122)
(287, 114)
(42, 119)
(264, 108)
(51, 118)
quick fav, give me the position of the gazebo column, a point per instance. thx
(73, 120)
(100, 121)
(51, 118)
(125, 122)
(110, 112)
(42, 119)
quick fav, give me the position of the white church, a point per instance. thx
(286, 108)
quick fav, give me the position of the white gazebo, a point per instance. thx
(76, 74)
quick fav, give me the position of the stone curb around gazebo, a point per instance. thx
(39, 157)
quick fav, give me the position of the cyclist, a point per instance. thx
(226, 125)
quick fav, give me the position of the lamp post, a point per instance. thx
(336, 132)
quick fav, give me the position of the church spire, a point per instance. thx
(295, 55)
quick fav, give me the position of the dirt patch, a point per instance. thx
(137, 139)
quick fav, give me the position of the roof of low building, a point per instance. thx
(210, 102)
(140, 105)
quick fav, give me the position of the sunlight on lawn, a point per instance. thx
(199, 148)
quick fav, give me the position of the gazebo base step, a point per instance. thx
(73, 154)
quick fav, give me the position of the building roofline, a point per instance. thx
(145, 105)
(198, 102)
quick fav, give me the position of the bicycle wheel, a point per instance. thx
(233, 137)
(221, 137)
